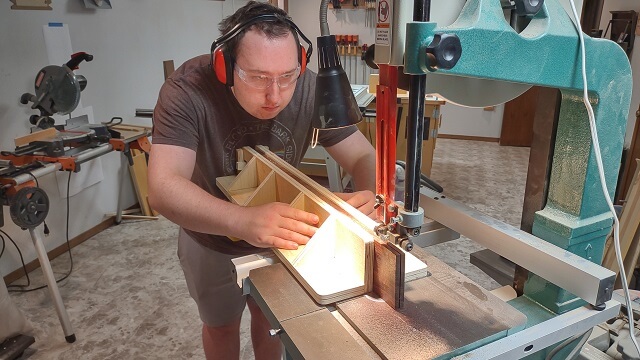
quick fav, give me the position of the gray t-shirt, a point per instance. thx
(196, 111)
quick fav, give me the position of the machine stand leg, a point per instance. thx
(123, 176)
(52, 286)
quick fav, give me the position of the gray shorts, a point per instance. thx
(211, 279)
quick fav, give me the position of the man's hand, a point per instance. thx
(361, 200)
(276, 225)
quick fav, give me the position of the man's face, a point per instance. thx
(259, 56)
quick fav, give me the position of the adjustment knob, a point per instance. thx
(25, 98)
(444, 51)
(528, 7)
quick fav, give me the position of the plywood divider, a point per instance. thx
(247, 179)
(285, 191)
(265, 192)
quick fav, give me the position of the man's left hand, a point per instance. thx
(361, 200)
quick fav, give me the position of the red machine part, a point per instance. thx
(386, 111)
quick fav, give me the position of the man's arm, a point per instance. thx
(172, 193)
(358, 158)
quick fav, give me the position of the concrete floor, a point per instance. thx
(127, 298)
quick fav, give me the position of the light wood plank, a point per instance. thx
(139, 176)
(38, 135)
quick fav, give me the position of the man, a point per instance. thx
(199, 121)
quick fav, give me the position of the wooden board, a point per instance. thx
(168, 68)
(38, 135)
(388, 275)
(518, 119)
(139, 178)
(629, 230)
(131, 131)
(444, 314)
(336, 263)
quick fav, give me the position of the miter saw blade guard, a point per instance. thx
(57, 90)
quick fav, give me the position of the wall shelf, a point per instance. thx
(621, 28)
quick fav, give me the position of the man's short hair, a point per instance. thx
(272, 29)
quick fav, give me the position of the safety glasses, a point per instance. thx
(261, 81)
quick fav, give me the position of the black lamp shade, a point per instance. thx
(335, 106)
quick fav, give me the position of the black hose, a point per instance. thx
(324, 26)
(424, 180)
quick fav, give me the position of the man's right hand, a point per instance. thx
(276, 225)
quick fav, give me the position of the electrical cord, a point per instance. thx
(24, 267)
(583, 339)
(21, 288)
(596, 145)
(424, 179)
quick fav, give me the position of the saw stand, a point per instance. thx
(29, 204)
(29, 207)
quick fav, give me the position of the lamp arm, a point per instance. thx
(324, 26)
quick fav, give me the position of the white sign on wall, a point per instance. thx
(383, 25)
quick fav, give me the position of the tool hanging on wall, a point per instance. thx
(349, 42)
(343, 49)
(363, 64)
(370, 19)
(354, 59)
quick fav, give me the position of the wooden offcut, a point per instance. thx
(139, 178)
(46, 134)
(31, 5)
(168, 68)
(388, 275)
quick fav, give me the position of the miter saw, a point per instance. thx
(57, 91)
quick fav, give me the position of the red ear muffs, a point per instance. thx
(222, 63)
(303, 59)
(223, 66)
